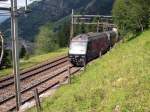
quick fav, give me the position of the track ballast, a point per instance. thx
(43, 77)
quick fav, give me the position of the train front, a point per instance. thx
(77, 51)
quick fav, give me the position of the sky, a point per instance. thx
(21, 3)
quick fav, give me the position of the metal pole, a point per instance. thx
(2, 48)
(26, 3)
(37, 100)
(15, 54)
(72, 25)
(98, 26)
(85, 64)
(69, 74)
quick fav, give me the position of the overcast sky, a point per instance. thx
(20, 3)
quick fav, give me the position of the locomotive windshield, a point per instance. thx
(78, 48)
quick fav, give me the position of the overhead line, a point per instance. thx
(4, 15)
(5, 9)
(92, 16)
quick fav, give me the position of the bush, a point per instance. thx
(46, 40)
(6, 61)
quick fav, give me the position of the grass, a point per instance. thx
(34, 60)
(120, 79)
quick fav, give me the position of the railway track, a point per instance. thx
(32, 71)
(42, 77)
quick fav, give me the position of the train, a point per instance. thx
(86, 47)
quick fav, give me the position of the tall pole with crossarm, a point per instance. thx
(15, 54)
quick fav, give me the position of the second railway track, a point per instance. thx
(43, 76)
(33, 71)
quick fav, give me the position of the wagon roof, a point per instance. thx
(86, 37)
(92, 34)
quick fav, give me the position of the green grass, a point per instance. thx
(34, 60)
(121, 77)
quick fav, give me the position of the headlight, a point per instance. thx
(83, 56)
(70, 56)
(76, 56)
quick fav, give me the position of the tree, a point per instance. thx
(5, 55)
(131, 15)
(46, 41)
(63, 34)
(82, 28)
(23, 52)
(6, 62)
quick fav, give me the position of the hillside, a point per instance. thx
(119, 80)
(53, 10)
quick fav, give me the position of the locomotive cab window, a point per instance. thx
(78, 48)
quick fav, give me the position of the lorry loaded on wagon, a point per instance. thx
(86, 47)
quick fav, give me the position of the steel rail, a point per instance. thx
(38, 84)
(33, 86)
(24, 76)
